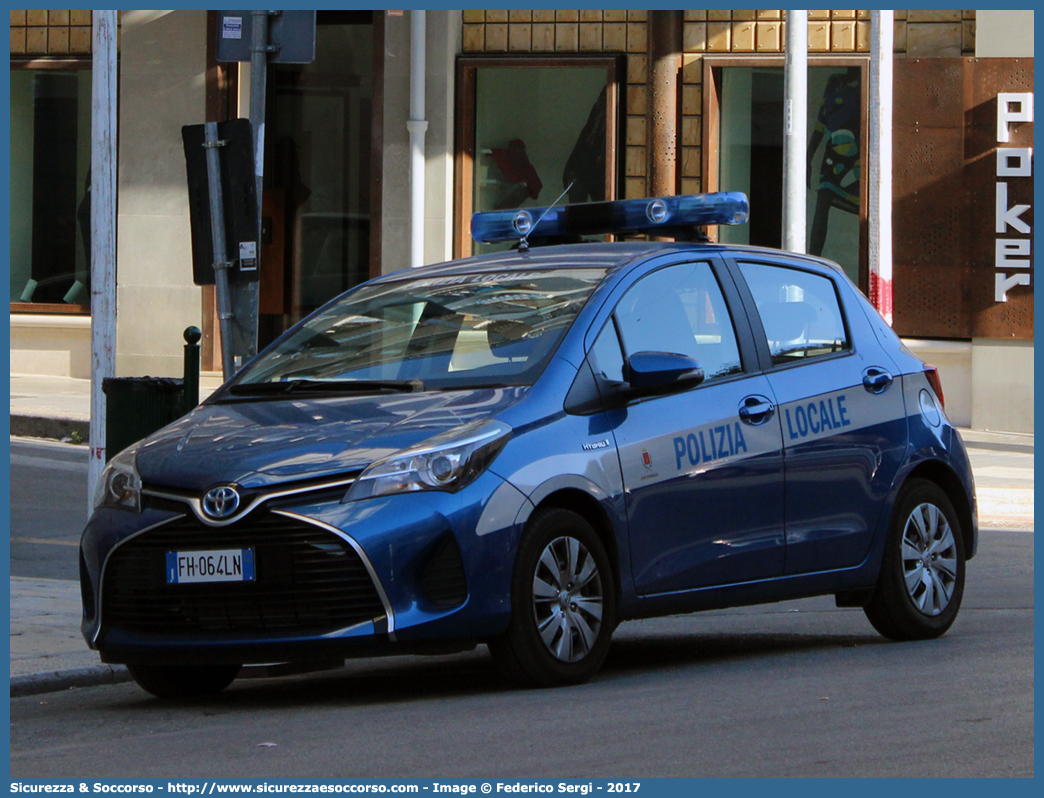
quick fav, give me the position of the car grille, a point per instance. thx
(307, 580)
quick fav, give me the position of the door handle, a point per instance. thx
(876, 380)
(756, 410)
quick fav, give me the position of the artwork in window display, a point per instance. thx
(584, 174)
(838, 126)
(750, 159)
(516, 169)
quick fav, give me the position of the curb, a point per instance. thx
(54, 681)
(1008, 523)
(1005, 508)
(43, 427)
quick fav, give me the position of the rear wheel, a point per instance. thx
(183, 681)
(563, 603)
(921, 584)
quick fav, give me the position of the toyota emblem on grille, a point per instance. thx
(221, 502)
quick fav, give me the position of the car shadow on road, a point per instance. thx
(396, 680)
(656, 652)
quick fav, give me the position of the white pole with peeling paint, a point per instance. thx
(879, 173)
(795, 124)
(417, 126)
(103, 233)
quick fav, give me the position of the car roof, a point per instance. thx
(611, 256)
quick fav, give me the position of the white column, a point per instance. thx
(417, 125)
(795, 139)
(879, 172)
(103, 232)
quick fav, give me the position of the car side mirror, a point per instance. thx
(661, 372)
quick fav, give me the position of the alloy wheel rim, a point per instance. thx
(567, 599)
(929, 559)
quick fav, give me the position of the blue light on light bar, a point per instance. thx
(623, 216)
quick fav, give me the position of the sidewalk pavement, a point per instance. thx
(48, 653)
(60, 407)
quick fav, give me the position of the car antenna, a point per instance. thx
(523, 244)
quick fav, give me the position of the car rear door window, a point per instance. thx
(799, 311)
(844, 435)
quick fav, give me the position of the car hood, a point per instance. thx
(261, 443)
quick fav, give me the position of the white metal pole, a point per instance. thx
(417, 125)
(795, 124)
(103, 233)
(879, 173)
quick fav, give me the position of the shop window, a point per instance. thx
(746, 131)
(50, 187)
(530, 128)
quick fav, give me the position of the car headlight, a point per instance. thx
(445, 462)
(120, 484)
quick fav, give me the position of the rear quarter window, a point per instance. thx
(800, 311)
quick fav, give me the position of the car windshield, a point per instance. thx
(452, 331)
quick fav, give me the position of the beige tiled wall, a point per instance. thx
(53, 33)
(920, 34)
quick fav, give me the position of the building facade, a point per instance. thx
(521, 106)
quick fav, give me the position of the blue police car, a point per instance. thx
(524, 449)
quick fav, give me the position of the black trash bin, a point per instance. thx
(135, 407)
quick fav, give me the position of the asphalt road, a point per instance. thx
(793, 689)
(48, 507)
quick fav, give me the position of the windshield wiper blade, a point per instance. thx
(321, 386)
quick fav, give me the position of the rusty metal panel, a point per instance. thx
(988, 77)
(945, 184)
(929, 272)
(927, 92)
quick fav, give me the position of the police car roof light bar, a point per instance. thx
(523, 243)
(654, 216)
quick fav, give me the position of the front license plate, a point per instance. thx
(225, 565)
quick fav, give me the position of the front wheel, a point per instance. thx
(183, 681)
(921, 584)
(563, 602)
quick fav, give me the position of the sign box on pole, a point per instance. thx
(239, 198)
(291, 33)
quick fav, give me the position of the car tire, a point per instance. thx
(563, 600)
(921, 584)
(183, 681)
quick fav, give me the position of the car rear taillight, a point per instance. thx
(932, 373)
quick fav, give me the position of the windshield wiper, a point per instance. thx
(323, 386)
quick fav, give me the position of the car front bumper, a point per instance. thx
(427, 571)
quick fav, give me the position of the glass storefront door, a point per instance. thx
(317, 172)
